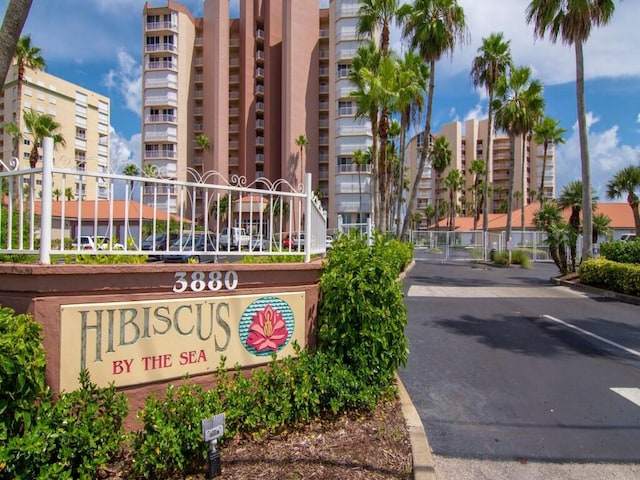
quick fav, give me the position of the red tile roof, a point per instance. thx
(620, 214)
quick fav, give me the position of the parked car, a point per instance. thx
(96, 242)
(235, 238)
(259, 244)
(199, 248)
(628, 237)
(159, 241)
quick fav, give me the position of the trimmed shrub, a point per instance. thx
(518, 257)
(619, 277)
(22, 372)
(623, 252)
(362, 317)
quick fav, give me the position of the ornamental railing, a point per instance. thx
(56, 210)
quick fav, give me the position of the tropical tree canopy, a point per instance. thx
(40, 127)
(572, 21)
(626, 183)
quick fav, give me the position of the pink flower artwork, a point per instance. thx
(268, 330)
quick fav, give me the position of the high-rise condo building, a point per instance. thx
(263, 95)
(468, 142)
(83, 117)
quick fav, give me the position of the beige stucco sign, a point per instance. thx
(134, 343)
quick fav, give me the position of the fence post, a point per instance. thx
(47, 200)
(307, 217)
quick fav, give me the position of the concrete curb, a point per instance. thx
(423, 464)
(597, 291)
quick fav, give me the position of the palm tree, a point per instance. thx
(440, 156)
(359, 158)
(68, 194)
(302, 142)
(429, 213)
(40, 127)
(571, 197)
(549, 219)
(627, 182)
(454, 182)
(377, 15)
(131, 170)
(547, 132)
(57, 193)
(412, 75)
(14, 18)
(379, 88)
(518, 105)
(367, 56)
(478, 167)
(433, 27)
(601, 227)
(572, 22)
(492, 62)
(26, 55)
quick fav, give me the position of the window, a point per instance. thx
(345, 107)
(343, 70)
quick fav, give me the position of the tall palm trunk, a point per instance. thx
(488, 167)
(383, 169)
(587, 213)
(524, 183)
(423, 154)
(404, 122)
(15, 17)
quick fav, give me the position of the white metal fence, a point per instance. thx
(39, 215)
(478, 245)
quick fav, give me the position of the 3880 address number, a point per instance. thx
(200, 281)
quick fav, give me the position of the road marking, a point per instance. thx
(492, 292)
(631, 394)
(598, 337)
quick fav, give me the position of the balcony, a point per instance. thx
(260, 34)
(259, 72)
(160, 47)
(260, 55)
(260, 90)
(323, 106)
(324, 71)
(162, 65)
(259, 157)
(259, 141)
(159, 154)
(234, 42)
(259, 106)
(234, 112)
(153, 26)
(259, 123)
(160, 118)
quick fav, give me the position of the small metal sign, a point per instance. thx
(212, 430)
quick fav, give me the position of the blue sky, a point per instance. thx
(97, 44)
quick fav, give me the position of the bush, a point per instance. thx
(70, 437)
(619, 277)
(361, 316)
(518, 257)
(623, 252)
(22, 372)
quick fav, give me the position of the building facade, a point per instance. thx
(235, 96)
(468, 142)
(83, 117)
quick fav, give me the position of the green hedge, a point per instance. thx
(619, 277)
(623, 252)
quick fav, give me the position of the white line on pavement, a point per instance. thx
(598, 337)
(631, 394)
(492, 292)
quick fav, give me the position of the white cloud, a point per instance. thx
(127, 80)
(608, 52)
(476, 113)
(606, 155)
(122, 151)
